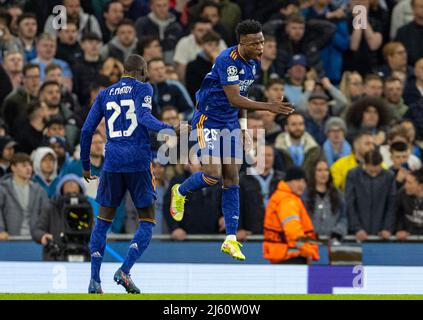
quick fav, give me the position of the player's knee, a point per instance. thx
(231, 179)
(213, 171)
(147, 214)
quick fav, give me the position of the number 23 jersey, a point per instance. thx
(128, 140)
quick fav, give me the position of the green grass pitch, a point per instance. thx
(58, 296)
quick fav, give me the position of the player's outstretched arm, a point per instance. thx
(237, 100)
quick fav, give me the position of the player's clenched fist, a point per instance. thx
(285, 108)
(87, 176)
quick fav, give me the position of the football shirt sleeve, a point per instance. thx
(227, 71)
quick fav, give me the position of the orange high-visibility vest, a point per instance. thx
(286, 219)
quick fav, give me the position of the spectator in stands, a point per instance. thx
(167, 91)
(27, 31)
(255, 191)
(410, 130)
(50, 94)
(283, 9)
(363, 53)
(17, 102)
(316, 116)
(198, 68)
(336, 146)
(45, 169)
(351, 86)
(68, 99)
(112, 68)
(409, 206)
(402, 14)
(31, 126)
(373, 86)
(399, 134)
(112, 17)
(189, 46)
(362, 143)
(296, 75)
(287, 223)
(325, 203)
(413, 91)
(268, 64)
(8, 42)
(15, 11)
(6, 86)
(13, 64)
(135, 9)
(21, 200)
(68, 47)
(58, 144)
(298, 146)
(162, 24)
(337, 102)
(86, 68)
(87, 23)
(50, 224)
(396, 60)
(379, 12)
(123, 44)
(55, 126)
(400, 153)
(295, 36)
(149, 47)
(210, 10)
(369, 114)
(199, 219)
(7, 151)
(46, 50)
(411, 34)
(3, 128)
(393, 91)
(370, 197)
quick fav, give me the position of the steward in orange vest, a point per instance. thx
(287, 223)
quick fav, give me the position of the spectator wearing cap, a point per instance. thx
(51, 95)
(27, 32)
(7, 151)
(298, 147)
(287, 223)
(112, 15)
(86, 22)
(68, 47)
(198, 68)
(336, 146)
(87, 68)
(46, 50)
(295, 77)
(316, 116)
(45, 169)
(58, 144)
(17, 102)
(123, 43)
(29, 134)
(392, 92)
(295, 36)
(362, 143)
(370, 197)
(411, 34)
(21, 200)
(189, 47)
(160, 22)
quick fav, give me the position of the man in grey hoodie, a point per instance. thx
(123, 44)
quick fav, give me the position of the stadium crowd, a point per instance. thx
(357, 131)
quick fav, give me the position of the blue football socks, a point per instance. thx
(230, 208)
(197, 181)
(97, 246)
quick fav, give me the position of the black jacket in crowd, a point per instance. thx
(411, 36)
(84, 74)
(196, 70)
(409, 213)
(173, 93)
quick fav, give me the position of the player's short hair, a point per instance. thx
(398, 147)
(29, 66)
(373, 158)
(210, 36)
(272, 82)
(20, 157)
(49, 83)
(418, 174)
(26, 15)
(51, 67)
(247, 27)
(134, 63)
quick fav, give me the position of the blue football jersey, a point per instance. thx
(128, 141)
(230, 68)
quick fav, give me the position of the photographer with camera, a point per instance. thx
(64, 225)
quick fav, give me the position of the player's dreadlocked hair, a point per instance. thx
(247, 27)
